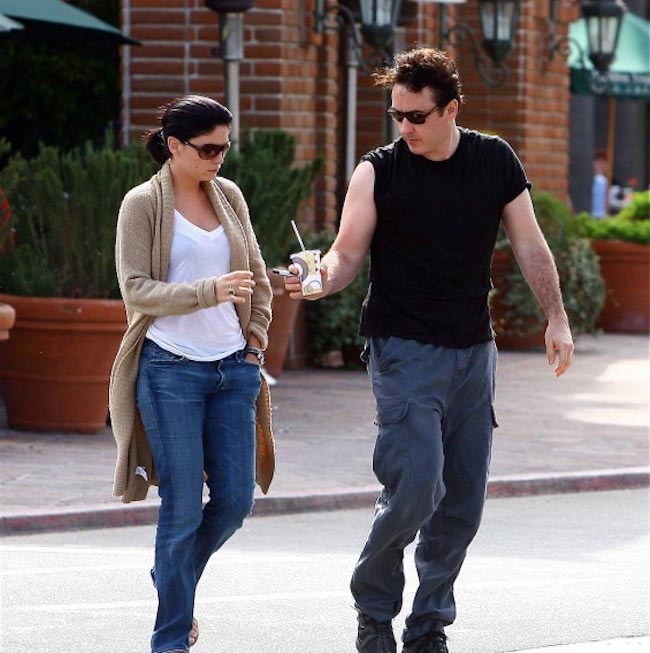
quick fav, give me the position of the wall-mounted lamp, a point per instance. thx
(603, 18)
(603, 22)
(498, 25)
(378, 21)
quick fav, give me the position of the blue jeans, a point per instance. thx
(435, 414)
(198, 416)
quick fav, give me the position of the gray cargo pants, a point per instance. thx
(435, 413)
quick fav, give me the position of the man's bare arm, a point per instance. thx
(358, 221)
(538, 267)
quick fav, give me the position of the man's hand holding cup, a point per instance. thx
(306, 276)
(294, 286)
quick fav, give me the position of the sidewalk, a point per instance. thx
(586, 430)
(608, 646)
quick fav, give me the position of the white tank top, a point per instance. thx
(208, 334)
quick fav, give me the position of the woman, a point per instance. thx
(185, 388)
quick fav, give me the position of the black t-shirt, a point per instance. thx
(437, 223)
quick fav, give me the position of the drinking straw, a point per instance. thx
(295, 230)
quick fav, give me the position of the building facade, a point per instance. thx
(295, 79)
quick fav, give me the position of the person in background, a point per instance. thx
(599, 194)
(428, 207)
(185, 388)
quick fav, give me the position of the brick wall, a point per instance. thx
(294, 79)
(289, 76)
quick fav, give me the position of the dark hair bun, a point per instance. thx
(156, 145)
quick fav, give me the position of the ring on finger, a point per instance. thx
(231, 291)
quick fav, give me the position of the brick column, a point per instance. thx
(531, 110)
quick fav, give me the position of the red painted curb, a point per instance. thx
(109, 516)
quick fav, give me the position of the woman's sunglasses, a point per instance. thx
(414, 117)
(210, 150)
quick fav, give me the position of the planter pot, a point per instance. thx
(7, 318)
(505, 340)
(626, 270)
(285, 311)
(55, 369)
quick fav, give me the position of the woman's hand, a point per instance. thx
(234, 287)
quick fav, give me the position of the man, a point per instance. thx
(428, 206)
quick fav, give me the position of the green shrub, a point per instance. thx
(334, 321)
(583, 288)
(616, 228)
(638, 210)
(60, 239)
(632, 224)
(273, 187)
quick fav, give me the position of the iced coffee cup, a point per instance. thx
(308, 262)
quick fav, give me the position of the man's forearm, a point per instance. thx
(341, 270)
(540, 272)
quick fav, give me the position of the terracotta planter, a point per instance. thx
(504, 340)
(285, 311)
(626, 270)
(7, 318)
(55, 369)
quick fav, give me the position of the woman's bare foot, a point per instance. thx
(194, 633)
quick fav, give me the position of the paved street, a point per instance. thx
(544, 571)
(595, 418)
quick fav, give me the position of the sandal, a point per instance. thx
(194, 633)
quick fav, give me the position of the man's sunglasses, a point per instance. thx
(414, 117)
(210, 150)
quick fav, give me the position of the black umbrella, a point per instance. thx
(56, 19)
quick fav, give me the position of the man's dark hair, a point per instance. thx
(423, 67)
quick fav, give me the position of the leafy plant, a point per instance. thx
(631, 224)
(334, 321)
(273, 187)
(60, 238)
(583, 288)
(616, 228)
(638, 210)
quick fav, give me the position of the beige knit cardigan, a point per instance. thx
(144, 233)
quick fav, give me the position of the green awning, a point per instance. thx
(49, 18)
(629, 74)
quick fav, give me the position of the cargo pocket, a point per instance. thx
(390, 458)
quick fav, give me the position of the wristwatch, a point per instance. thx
(258, 353)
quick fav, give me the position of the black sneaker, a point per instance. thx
(375, 636)
(433, 642)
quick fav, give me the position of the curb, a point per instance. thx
(110, 516)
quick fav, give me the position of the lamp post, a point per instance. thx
(231, 42)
